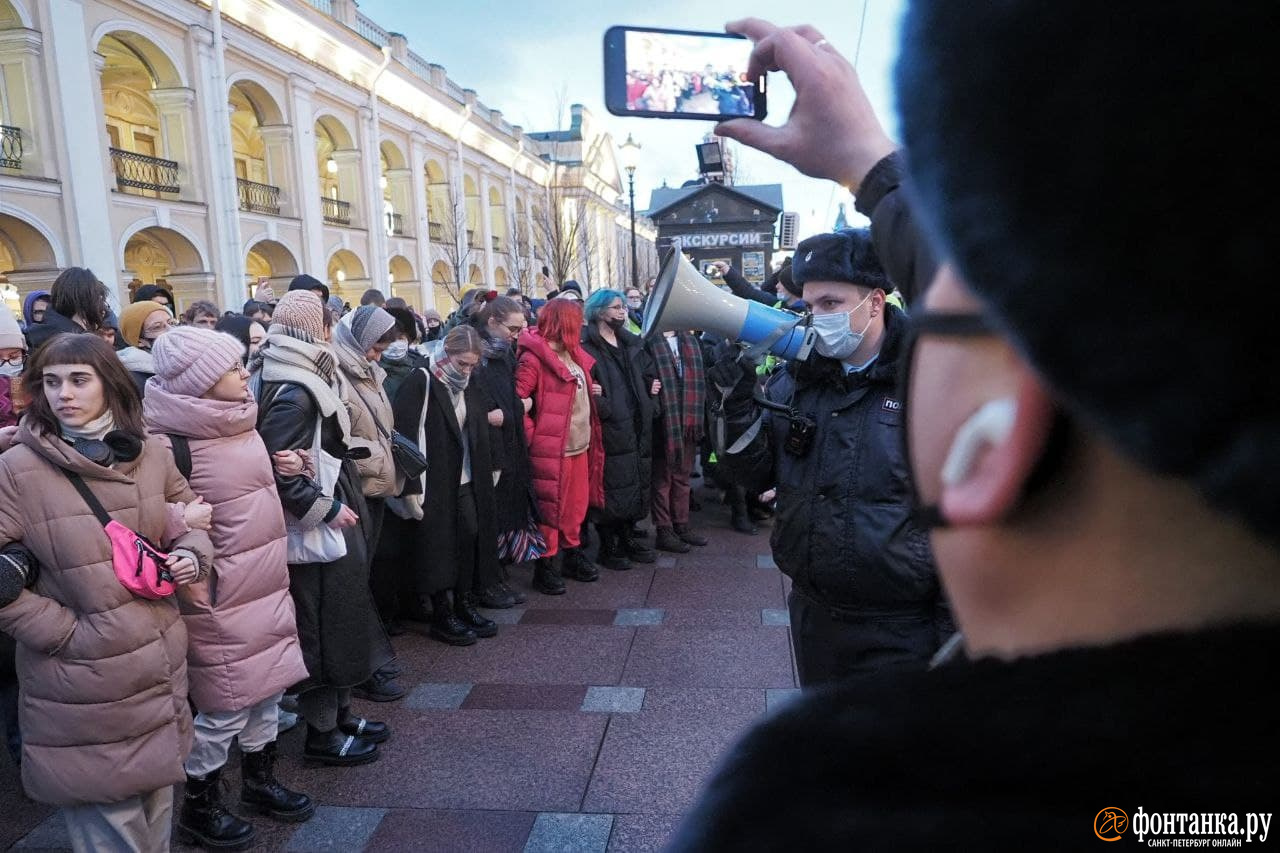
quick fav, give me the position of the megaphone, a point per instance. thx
(682, 298)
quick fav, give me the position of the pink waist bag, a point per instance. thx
(139, 565)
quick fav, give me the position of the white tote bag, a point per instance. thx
(319, 544)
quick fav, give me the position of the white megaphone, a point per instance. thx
(683, 299)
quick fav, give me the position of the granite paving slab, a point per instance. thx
(710, 657)
(714, 588)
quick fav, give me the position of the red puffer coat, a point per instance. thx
(544, 377)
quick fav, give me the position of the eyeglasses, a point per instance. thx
(938, 324)
(17, 361)
(515, 330)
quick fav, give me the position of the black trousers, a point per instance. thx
(831, 646)
(391, 574)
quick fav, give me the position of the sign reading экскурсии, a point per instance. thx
(715, 241)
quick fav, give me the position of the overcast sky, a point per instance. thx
(518, 57)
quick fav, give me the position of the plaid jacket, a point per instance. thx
(680, 403)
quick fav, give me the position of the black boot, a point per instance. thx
(380, 687)
(205, 822)
(578, 567)
(464, 606)
(337, 748)
(369, 730)
(445, 626)
(638, 552)
(505, 583)
(683, 531)
(497, 597)
(546, 575)
(261, 792)
(668, 541)
(611, 554)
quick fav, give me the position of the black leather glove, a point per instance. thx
(732, 369)
(19, 570)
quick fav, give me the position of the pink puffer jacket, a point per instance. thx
(243, 644)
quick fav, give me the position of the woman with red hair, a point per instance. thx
(553, 380)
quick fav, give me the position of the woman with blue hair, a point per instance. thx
(625, 371)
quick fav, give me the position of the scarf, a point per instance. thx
(94, 429)
(493, 347)
(454, 379)
(681, 400)
(293, 356)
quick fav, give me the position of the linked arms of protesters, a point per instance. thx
(834, 133)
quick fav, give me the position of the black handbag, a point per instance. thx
(410, 461)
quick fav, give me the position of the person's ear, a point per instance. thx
(994, 454)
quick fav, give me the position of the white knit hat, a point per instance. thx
(10, 335)
(190, 360)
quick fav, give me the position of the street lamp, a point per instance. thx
(629, 154)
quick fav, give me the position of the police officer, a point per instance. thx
(865, 593)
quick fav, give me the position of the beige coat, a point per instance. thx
(371, 423)
(103, 673)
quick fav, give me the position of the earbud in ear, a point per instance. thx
(987, 427)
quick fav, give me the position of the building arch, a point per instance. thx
(400, 270)
(182, 247)
(497, 219)
(344, 265)
(152, 254)
(475, 275)
(500, 280)
(260, 167)
(392, 155)
(278, 260)
(165, 69)
(263, 93)
(471, 195)
(29, 242)
(13, 15)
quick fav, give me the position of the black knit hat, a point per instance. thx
(308, 282)
(845, 255)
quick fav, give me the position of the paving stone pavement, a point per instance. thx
(588, 724)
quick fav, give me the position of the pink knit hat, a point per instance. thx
(190, 359)
(301, 310)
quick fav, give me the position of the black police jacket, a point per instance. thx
(843, 529)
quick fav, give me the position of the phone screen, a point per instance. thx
(680, 74)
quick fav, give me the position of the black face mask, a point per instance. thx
(616, 323)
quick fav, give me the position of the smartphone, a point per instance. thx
(680, 74)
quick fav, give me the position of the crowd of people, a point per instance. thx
(228, 516)
(727, 92)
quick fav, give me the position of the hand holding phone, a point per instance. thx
(832, 131)
(680, 74)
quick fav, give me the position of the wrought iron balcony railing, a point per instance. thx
(259, 198)
(10, 147)
(144, 172)
(395, 224)
(336, 211)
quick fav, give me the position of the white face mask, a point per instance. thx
(635, 304)
(835, 338)
(396, 351)
(7, 369)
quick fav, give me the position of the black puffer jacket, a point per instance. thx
(625, 372)
(843, 531)
(342, 640)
